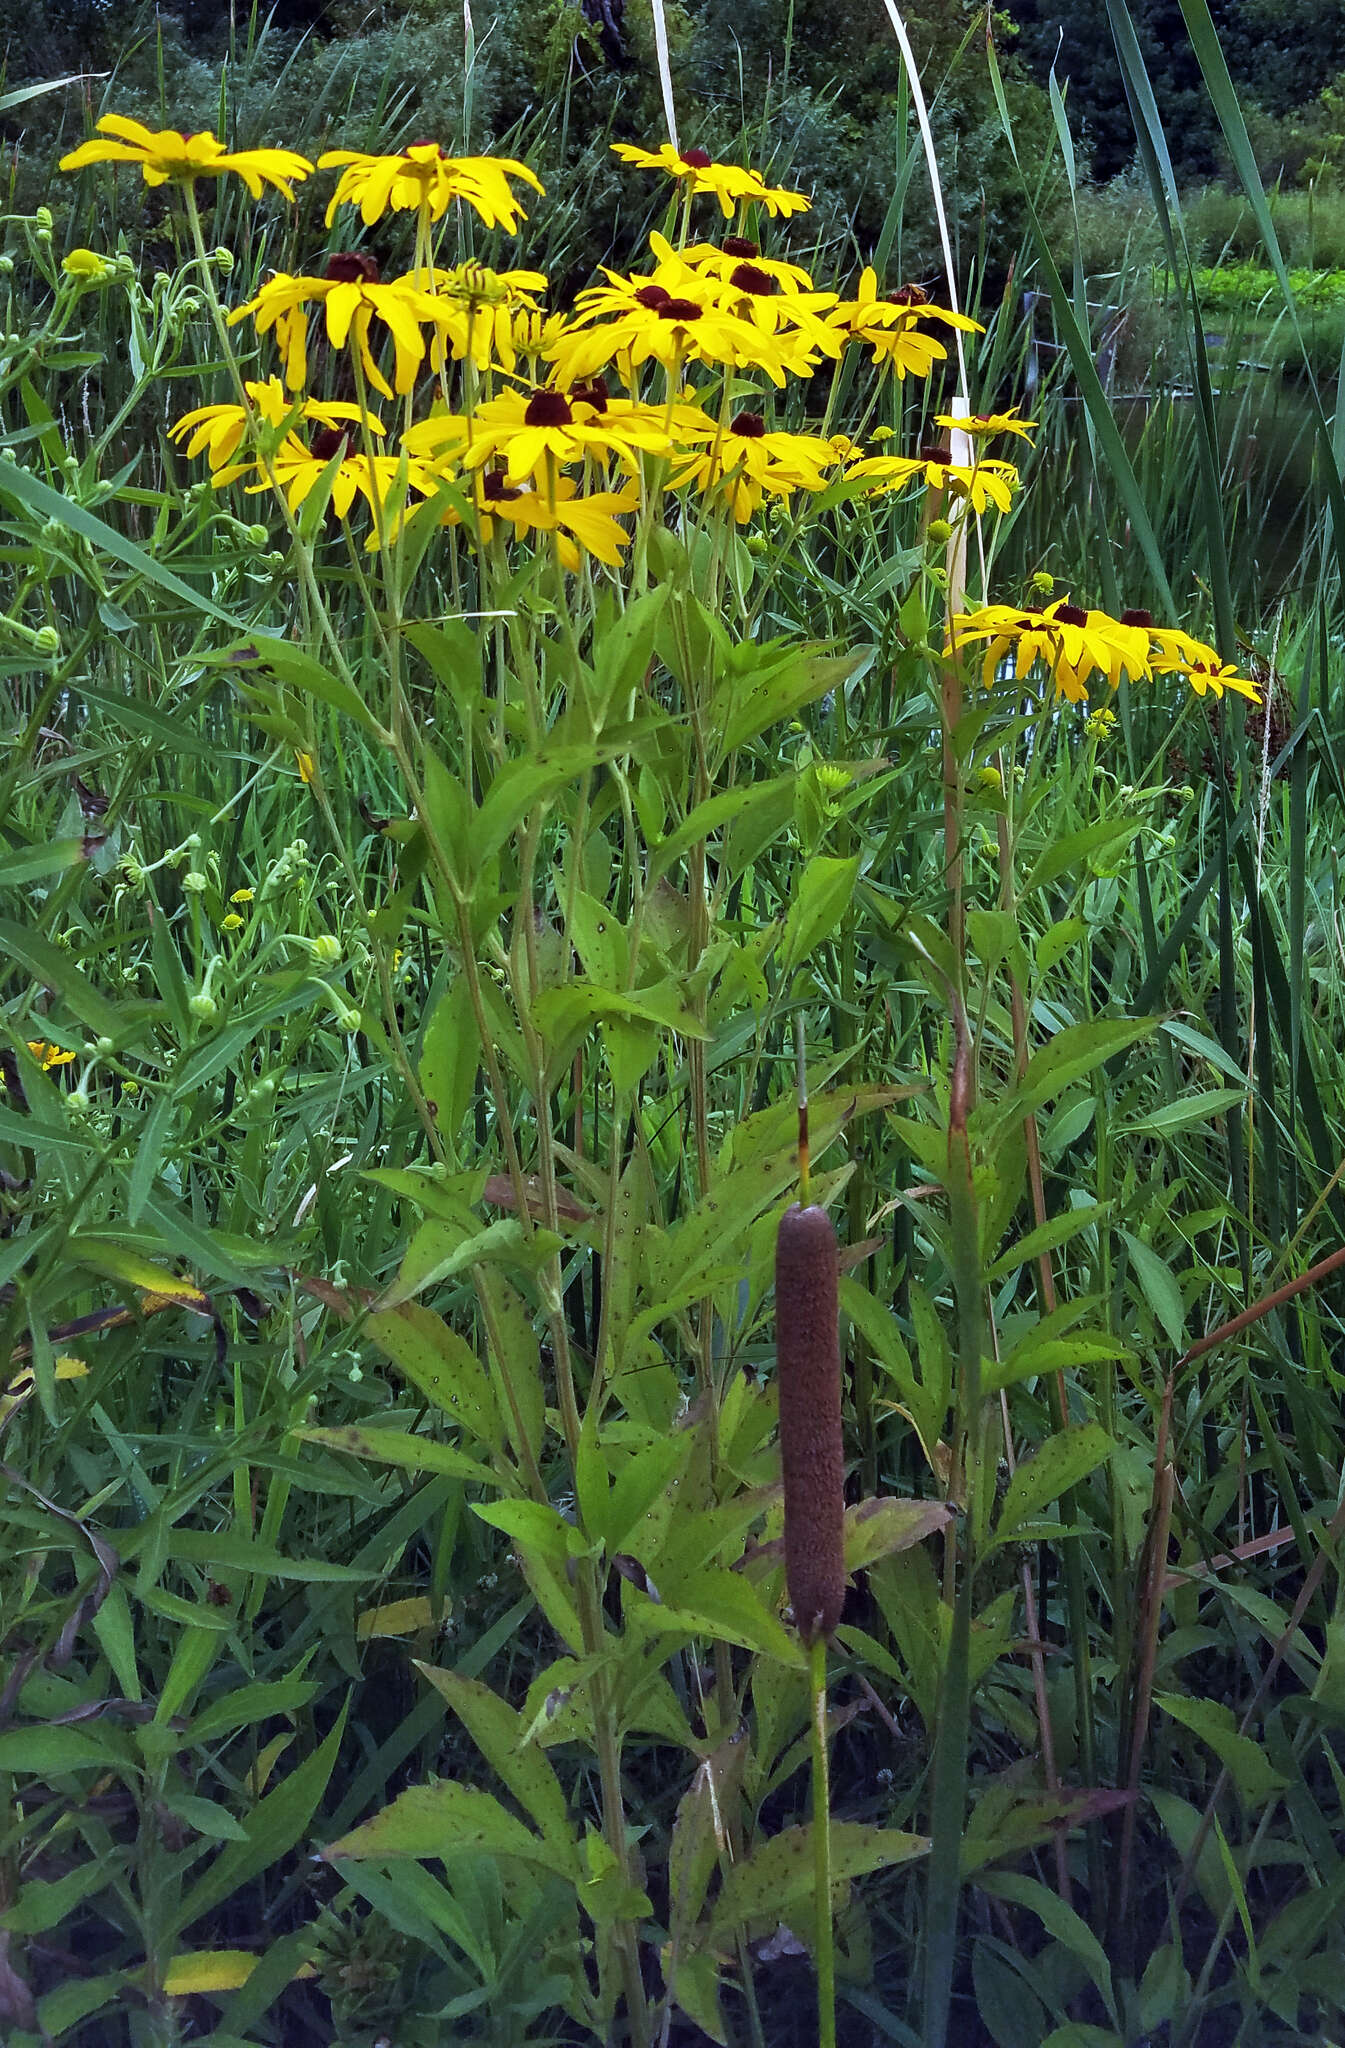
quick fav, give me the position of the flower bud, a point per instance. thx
(224, 260)
(940, 531)
(195, 882)
(47, 640)
(42, 219)
(325, 949)
(256, 536)
(204, 1008)
(103, 1047)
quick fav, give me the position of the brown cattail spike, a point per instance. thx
(808, 1360)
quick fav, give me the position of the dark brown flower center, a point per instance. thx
(696, 159)
(679, 309)
(1137, 618)
(908, 295)
(653, 296)
(427, 142)
(747, 278)
(548, 409)
(936, 451)
(739, 245)
(352, 266)
(496, 488)
(593, 393)
(1070, 615)
(750, 425)
(329, 441)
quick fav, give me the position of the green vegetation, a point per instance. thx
(425, 882)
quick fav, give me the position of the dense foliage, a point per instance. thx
(482, 737)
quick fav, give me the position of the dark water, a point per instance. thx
(1269, 452)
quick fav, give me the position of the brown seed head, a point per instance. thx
(351, 266)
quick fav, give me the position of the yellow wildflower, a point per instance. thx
(1072, 644)
(892, 326)
(1175, 653)
(241, 896)
(981, 483)
(86, 266)
(731, 184)
(352, 298)
(424, 179)
(982, 424)
(747, 460)
(167, 156)
(47, 1055)
(542, 428)
(220, 429)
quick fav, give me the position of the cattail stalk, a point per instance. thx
(808, 1361)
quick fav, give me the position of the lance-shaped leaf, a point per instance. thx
(776, 1880)
(444, 1818)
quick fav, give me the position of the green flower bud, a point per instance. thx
(47, 640)
(256, 536)
(195, 882)
(224, 260)
(325, 949)
(940, 531)
(42, 218)
(103, 1047)
(204, 1008)
(348, 1019)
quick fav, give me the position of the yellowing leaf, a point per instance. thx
(215, 1969)
(397, 1618)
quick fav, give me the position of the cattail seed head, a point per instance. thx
(808, 1361)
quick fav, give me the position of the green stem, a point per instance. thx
(823, 1931)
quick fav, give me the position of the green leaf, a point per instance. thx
(1071, 1054)
(274, 1826)
(1047, 1237)
(445, 1819)
(723, 809)
(1054, 1467)
(47, 963)
(249, 1705)
(533, 1523)
(1059, 1920)
(239, 1553)
(49, 1752)
(721, 1605)
(1160, 1288)
(442, 1364)
(1056, 941)
(299, 669)
(498, 1732)
(449, 1058)
(1245, 1761)
(1199, 1108)
(776, 1880)
(395, 1447)
(877, 1528)
(824, 892)
(31, 863)
(22, 488)
(1043, 1351)
(1091, 844)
